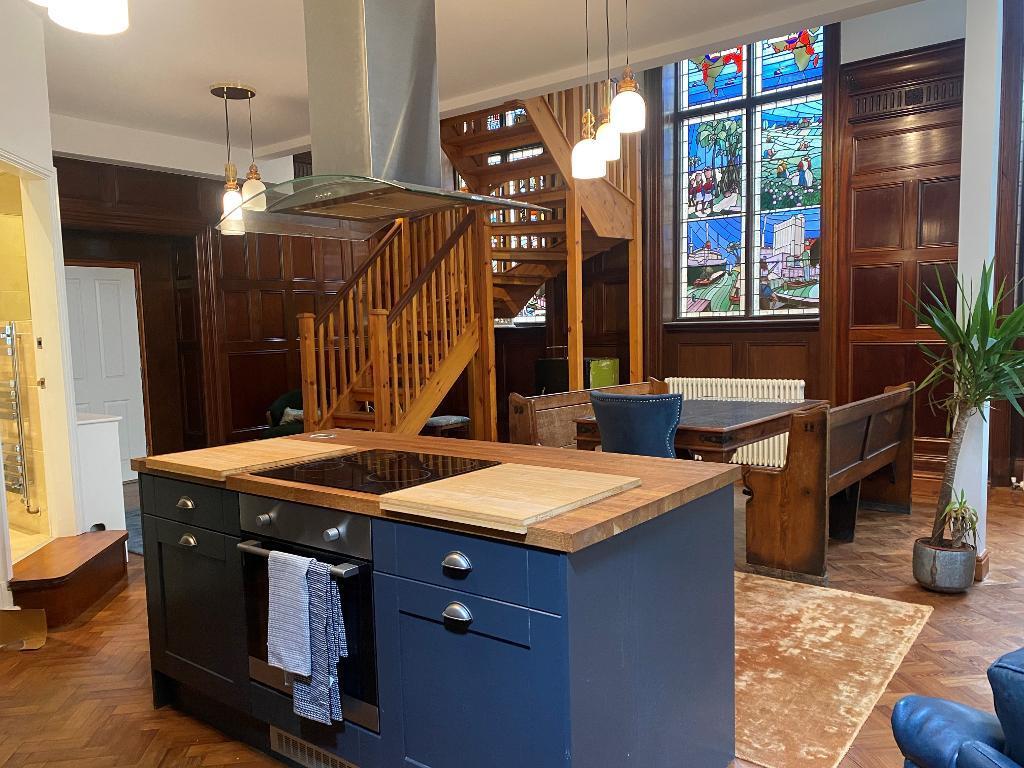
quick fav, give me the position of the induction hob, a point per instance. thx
(377, 471)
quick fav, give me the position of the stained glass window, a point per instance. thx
(748, 198)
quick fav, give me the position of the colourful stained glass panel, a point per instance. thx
(790, 61)
(787, 148)
(712, 278)
(788, 261)
(713, 152)
(714, 77)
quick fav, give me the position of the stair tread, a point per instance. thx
(521, 134)
(62, 557)
(528, 227)
(554, 194)
(493, 175)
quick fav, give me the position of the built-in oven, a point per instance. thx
(343, 541)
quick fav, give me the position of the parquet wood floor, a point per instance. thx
(84, 699)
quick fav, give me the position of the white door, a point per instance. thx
(105, 356)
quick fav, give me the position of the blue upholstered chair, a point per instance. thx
(935, 733)
(644, 425)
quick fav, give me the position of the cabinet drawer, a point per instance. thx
(506, 572)
(190, 503)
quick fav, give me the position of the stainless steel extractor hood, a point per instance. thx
(372, 67)
(343, 207)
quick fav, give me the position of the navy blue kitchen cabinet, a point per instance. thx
(621, 654)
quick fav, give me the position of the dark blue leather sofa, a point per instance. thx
(935, 733)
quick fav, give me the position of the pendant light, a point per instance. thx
(253, 189)
(232, 195)
(629, 112)
(608, 137)
(40, 3)
(93, 17)
(587, 159)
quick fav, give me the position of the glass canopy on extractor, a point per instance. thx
(344, 207)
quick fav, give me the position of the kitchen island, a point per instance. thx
(598, 637)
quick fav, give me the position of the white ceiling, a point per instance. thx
(156, 75)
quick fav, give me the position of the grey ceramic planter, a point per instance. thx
(943, 569)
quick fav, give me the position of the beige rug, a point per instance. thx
(810, 664)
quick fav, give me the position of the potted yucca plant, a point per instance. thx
(982, 364)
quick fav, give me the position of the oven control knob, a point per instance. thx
(264, 520)
(332, 534)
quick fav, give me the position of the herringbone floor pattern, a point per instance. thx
(84, 699)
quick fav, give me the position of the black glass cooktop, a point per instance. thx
(377, 471)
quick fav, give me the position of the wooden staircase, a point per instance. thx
(390, 346)
(522, 150)
(421, 308)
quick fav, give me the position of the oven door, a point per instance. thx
(357, 672)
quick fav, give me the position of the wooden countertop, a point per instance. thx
(665, 485)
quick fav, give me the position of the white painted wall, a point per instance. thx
(90, 140)
(902, 29)
(24, 101)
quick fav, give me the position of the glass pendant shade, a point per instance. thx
(610, 141)
(629, 112)
(252, 194)
(233, 204)
(41, 3)
(588, 160)
(93, 17)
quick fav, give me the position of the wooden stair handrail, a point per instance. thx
(425, 273)
(340, 296)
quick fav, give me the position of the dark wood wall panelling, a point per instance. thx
(898, 204)
(227, 306)
(263, 282)
(118, 214)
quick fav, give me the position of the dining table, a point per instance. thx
(715, 429)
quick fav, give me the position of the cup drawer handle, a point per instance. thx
(185, 503)
(188, 540)
(457, 615)
(457, 564)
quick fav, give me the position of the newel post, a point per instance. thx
(307, 360)
(381, 370)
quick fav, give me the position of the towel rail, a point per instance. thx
(341, 570)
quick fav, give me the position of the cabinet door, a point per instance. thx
(490, 690)
(196, 609)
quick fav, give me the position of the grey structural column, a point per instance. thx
(372, 69)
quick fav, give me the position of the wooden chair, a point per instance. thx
(550, 419)
(838, 459)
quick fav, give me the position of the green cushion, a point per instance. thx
(295, 428)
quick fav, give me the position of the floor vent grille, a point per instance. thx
(304, 753)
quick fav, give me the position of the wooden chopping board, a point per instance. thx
(223, 460)
(506, 497)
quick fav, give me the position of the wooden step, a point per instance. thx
(362, 394)
(67, 575)
(529, 255)
(354, 420)
(507, 279)
(522, 134)
(493, 175)
(549, 198)
(549, 226)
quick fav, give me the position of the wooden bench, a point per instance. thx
(550, 419)
(838, 459)
(67, 575)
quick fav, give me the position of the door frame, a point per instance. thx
(136, 269)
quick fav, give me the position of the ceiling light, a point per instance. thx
(628, 110)
(232, 195)
(93, 17)
(253, 189)
(607, 134)
(587, 158)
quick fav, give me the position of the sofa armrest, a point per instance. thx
(930, 731)
(974, 754)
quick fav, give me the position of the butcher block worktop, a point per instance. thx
(665, 484)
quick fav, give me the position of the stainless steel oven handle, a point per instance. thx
(340, 571)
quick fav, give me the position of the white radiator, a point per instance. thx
(766, 453)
